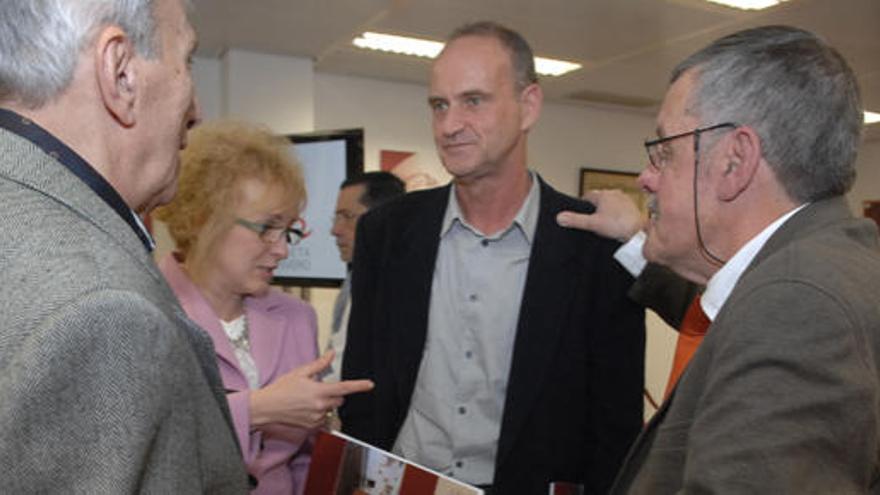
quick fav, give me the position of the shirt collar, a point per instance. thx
(721, 284)
(526, 218)
(68, 158)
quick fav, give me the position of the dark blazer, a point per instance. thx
(782, 395)
(663, 291)
(105, 385)
(574, 398)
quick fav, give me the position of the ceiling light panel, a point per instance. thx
(748, 4)
(430, 49)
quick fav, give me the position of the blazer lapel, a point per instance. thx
(198, 310)
(639, 449)
(546, 298)
(412, 265)
(266, 333)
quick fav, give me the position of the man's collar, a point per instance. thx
(526, 217)
(721, 284)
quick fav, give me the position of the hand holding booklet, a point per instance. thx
(342, 465)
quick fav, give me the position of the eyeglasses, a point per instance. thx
(271, 234)
(659, 155)
(346, 216)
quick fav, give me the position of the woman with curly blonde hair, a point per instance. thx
(239, 196)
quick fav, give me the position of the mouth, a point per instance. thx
(456, 146)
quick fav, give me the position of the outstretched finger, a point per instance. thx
(345, 387)
(574, 220)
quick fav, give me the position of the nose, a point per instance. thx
(449, 123)
(648, 179)
(194, 113)
(336, 229)
(280, 248)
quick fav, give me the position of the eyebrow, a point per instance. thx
(473, 92)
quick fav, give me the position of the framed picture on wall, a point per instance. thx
(592, 178)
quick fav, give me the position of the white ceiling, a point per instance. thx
(627, 47)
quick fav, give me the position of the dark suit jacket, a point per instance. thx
(662, 290)
(105, 385)
(574, 398)
(783, 395)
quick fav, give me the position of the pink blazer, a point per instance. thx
(283, 335)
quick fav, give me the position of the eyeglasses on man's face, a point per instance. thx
(659, 152)
(345, 216)
(271, 234)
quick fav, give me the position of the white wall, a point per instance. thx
(285, 94)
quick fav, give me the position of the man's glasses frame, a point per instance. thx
(655, 155)
(271, 234)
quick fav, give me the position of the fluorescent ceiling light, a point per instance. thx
(553, 67)
(398, 44)
(872, 117)
(748, 4)
(430, 49)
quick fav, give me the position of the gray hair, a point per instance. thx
(796, 92)
(41, 40)
(521, 57)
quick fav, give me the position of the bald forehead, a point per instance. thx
(475, 47)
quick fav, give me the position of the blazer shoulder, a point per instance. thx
(415, 206)
(557, 201)
(277, 301)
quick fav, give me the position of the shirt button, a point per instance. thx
(462, 410)
(485, 242)
(468, 354)
(472, 297)
(459, 464)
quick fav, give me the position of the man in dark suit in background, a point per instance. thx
(504, 349)
(357, 195)
(105, 385)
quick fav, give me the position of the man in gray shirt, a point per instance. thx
(504, 349)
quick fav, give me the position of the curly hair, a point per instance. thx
(219, 156)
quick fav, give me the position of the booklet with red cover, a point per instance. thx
(342, 465)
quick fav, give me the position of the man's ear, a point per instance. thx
(531, 99)
(116, 74)
(743, 156)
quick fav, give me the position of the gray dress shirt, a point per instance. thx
(454, 419)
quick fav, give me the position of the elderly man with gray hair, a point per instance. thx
(757, 143)
(106, 386)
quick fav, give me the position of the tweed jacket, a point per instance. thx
(574, 393)
(105, 385)
(783, 394)
(283, 333)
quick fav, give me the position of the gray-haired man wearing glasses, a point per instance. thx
(758, 139)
